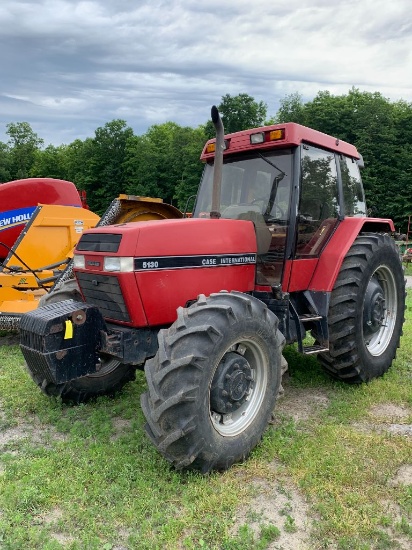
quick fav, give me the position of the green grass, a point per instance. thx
(408, 268)
(87, 476)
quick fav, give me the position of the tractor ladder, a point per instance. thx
(310, 314)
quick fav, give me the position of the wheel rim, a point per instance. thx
(244, 386)
(108, 365)
(380, 311)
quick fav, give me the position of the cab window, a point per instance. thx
(353, 196)
(318, 204)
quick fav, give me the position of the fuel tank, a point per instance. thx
(170, 263)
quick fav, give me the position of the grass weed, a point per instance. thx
(87, 476)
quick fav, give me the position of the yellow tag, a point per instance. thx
(68, 333)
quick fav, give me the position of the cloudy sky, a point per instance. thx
(70, 66)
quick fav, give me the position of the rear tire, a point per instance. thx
(366, 311)
(111, 377)
(213, 384)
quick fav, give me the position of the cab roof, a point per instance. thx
(291, 134)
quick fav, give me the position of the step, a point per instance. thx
(312, 350)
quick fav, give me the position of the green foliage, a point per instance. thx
(5, 159)
(49, 162)
(164, 162)
(247, 540)
(77, 160)
(105, 173)
(291, 109)
(239, 112)
(23, 143)
(382, 132)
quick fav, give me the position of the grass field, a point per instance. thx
(333, 471)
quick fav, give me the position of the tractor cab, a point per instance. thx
(294, 183)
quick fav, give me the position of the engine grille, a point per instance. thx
(104, 292)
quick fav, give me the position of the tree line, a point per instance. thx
(164, 162)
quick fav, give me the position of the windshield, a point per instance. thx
(261, 181)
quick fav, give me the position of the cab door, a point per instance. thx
(319, 213)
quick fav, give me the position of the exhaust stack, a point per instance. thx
(217, 173)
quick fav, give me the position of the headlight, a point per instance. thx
(117, 263)
(78, 261)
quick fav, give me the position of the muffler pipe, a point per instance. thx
(218, 164)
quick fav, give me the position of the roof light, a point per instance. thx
(274, 135)
(211, 147)
(257, 138)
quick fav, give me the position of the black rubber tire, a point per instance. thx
(110, 379)
(192, 354)
(69, 290)
(356, 356)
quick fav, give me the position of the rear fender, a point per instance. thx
(332, 256)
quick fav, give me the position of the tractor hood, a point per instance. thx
(139, 274)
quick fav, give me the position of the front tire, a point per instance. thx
(213, 384)
(366, 311)
(110, 378)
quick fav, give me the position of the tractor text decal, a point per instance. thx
(12, 218)
(182, 262)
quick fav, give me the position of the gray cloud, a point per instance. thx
(69, 66)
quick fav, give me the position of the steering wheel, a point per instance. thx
(262, 200)
(276, 209)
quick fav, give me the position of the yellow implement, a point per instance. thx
(45, 247)
(40, 255)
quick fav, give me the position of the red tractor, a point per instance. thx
(279, 247)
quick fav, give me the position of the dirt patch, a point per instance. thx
(394, 511)
(301, 403)
(51, 518)
(63, 539)
(120, 426)
(10, 339)
(400, 429)
(392, 418)
(403, 476)
(281, 505)
(390, 412)
(34, 432)
(408, 279)
(395, 429)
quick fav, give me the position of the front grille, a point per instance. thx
(104, 292)
(99, 242)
